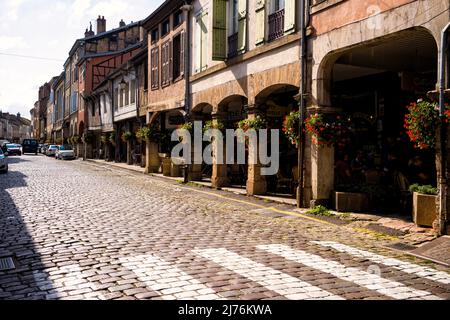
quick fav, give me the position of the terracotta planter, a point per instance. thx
(351, 202)
(424, 209)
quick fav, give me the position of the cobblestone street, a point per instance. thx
(78, 230)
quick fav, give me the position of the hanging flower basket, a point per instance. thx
(149, 134)
(112, 138)
(209, 125)
(127, 136)
(104, 139)
(326, 129)
(421, 123)
(87, 138)
(257, 124)
(291, 127)
(76, 139)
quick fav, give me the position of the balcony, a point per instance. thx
(233, 45)
(276, 25)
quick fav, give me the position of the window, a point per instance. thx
(127, 94)
(133, 91)
(165, 27)
(278, 5)
(146, 75)
(155, 35)
(178, 56)
(178, 18)
(103, 102)
(166, 59)
(155, 68)
(234, 16)
(73, 103)
(201, 42)
(116, 99)
(121, 98)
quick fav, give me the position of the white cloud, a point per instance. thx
(7, 43)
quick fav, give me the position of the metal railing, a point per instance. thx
(276, 25)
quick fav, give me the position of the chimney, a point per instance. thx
(89, 33)
(18, 115)
(101, 24)
(122, 24)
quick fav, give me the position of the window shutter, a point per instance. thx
(242, 25)
(289, 16)
(182, 49)
(219, 30)
(170, 61)
(260, 21)
(197, 44)
(204, 43)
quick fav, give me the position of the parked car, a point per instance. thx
(30, 146)
(51, 151)
(65, 152)
(3, 162)
(40, 148)
(14, 149)
(44, 148)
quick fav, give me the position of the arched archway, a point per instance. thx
(370, 84)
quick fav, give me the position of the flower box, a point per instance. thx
(424, 209)
(351, 202)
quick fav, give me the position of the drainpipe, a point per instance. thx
(443, 131)
(302, 104)
(187, 7)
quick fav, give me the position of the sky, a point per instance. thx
(47, 30)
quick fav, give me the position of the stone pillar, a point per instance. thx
(152, 162)
(256, 183)
(322, 167)
(219, 177)
(129, 159)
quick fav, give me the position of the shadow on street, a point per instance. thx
(28, 280)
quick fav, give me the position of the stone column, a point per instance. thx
(219, 177)
(256, 183)
(129, 159)
(152, 162)
(322, 167)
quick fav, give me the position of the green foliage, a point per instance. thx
(112, 138)
(210, 125)
(421, 123)
(320, 211)
(326, 129)
(291, 127)
(430, 190)
(151, 133)
(255, 124)
(127, 136)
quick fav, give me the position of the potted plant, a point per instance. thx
(255, 124)
(424, 204)
(209, 125)
(127, 136)
(76, 139)
(421, 123)
(149, 134)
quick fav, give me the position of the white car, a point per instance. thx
(51, 151)
(65, 153)
(3, 162)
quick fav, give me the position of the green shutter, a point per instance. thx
(242, 25)
(219, 51)
(289, 16)
(260, 21)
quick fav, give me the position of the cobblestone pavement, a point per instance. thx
(77, 230)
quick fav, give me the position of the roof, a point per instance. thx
(110, 53)
(162, 12)
(100, 36)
